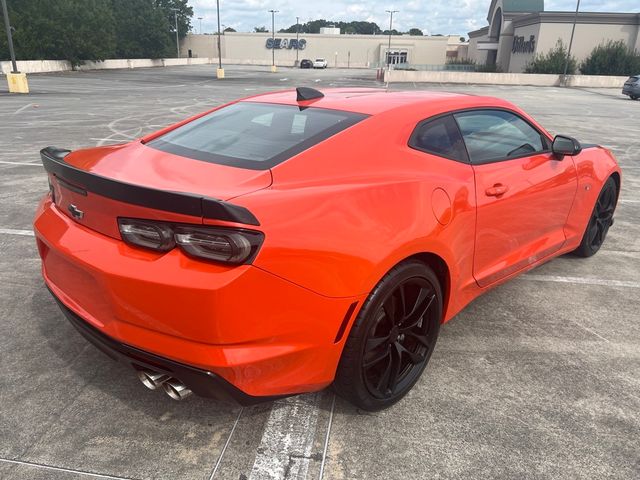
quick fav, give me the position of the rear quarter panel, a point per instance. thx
(343, 213)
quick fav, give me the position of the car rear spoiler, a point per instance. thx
(177, 202)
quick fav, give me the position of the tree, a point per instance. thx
(393, 32)
(612, 58)
(355, 27)
(74, 30)
(416, 32)
(260, 29)
(552, 62)
(142, 30)
(185, 13)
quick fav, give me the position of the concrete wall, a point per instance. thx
(477, 78)
(43, 66)
(355, 50)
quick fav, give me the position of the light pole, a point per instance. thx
(297, 39)
(17, 81)
(273, 40)
(200, 30)
(390, 12)
(573, 30)
(220, 71)
(7, 27)
(175, 15)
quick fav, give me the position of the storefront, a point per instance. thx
(519, 29)
(338, 50)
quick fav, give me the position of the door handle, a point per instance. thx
(497, 190)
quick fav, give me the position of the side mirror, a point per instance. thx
(563, 145)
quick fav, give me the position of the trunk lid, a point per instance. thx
(96, 186)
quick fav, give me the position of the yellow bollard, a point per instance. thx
(273, 69)
(220, 73)
(18, 83)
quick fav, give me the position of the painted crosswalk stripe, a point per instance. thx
(287, 439)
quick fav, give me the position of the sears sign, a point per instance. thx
(286, 44)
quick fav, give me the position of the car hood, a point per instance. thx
(138, 164)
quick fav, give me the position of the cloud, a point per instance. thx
(432, 16)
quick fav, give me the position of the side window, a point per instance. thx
(440, 137)
(492, 135)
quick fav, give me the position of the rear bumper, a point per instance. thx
(632, 90)
(201, 382)
(260, 333)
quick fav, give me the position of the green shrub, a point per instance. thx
(552, 62)
(612, 58)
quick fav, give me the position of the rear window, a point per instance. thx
(633, 79)
(254, 135)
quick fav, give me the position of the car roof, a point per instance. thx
(373, 101)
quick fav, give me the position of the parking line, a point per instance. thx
(26, 164)
(11, 231)
(326, 438)
(287, 439)
(581, 280)
(23, 108)
(224, 449)
(62, 469)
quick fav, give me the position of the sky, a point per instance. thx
(455, 17)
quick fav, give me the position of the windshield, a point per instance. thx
(254, 135)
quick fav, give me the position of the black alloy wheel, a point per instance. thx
(600, 221)
(392, 338)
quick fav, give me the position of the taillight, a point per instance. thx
(154, 235)
(220, 244)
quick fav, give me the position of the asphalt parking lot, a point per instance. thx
(539, 378)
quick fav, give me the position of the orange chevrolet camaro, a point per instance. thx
(288, 241)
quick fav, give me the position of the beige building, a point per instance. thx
(518, 29)
(338, 50)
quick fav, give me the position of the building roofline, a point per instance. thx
(583, 18)
(479, 32)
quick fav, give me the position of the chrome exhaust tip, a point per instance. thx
(176, 389)
(152, 380)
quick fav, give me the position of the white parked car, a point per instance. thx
(319, 63)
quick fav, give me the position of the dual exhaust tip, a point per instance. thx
(172, 386)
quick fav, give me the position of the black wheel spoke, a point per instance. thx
(402, 311)
(423, 303)
(383, 382)
(396, 364)
(390, 308)
(414, 358)
(375, 358)
(375, 342)
(421, 339)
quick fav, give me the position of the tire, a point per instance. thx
(633, 97)
(396, 345)
(600, 221)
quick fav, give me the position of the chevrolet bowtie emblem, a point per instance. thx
(75, 212)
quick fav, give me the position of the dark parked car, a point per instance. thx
(632, 87)
(306, 63)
